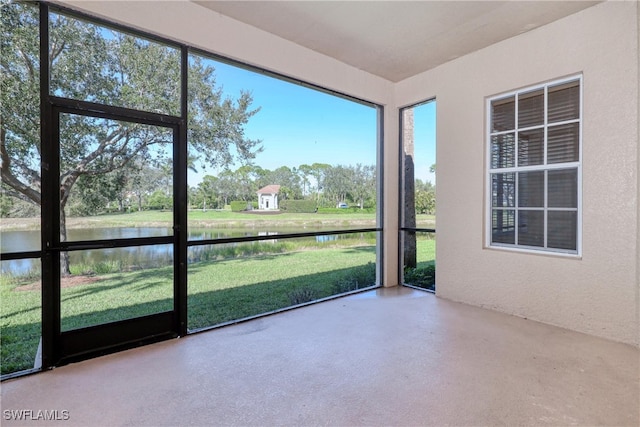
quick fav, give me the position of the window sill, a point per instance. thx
(547, 253)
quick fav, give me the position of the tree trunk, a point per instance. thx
(64, 256)
(410, 256)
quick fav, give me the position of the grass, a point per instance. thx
(232, 289)
(20, 320)
(424, 275)
(215, 218)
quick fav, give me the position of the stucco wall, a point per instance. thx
(597, 293)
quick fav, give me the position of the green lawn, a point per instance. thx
(19, 326)
(424, 275)
(226, 290)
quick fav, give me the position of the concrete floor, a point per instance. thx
(386, 357)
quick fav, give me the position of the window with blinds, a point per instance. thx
(534, 168)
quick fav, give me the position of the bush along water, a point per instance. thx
(421, 277)
(358, 278)
(355, 278)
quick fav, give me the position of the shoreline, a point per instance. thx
(314, 221)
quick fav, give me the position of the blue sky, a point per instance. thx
(424, 123)
(299, 125)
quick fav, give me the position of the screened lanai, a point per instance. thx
(135, 139)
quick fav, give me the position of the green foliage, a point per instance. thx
(93, 193)
(20, 208)
(158, 200)
(93, 63)
(422, 277)
(425, 197)
(301, 296)
(20, 319)
(237, 250)
(19, 101)
(102, 267)
(298, 206)
(6, 204)
(359, 277)
(425, 202)
(288, 180)
(239, 205)
(11, 280)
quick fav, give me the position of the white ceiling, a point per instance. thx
(396, 39)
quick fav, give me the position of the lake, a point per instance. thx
(142, 256)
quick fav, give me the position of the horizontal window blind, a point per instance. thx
(534, 167)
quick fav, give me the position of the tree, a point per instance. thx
(246, 181)
(205, 195)
(305, 171)
(410, 248)
(227, 186)
(143, 179)
(92, 63)
(95, 193)
(19, 104)
(338, 182)
(288, 180)
(159, 200)
(425, 197)
(318, 171)
(364, 183)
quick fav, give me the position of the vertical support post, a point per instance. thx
(180, 202)
(391, 184)
(381, 255)
(50, 206)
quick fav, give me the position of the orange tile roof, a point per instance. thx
(269, 189)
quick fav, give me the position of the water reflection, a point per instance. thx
(152, 255)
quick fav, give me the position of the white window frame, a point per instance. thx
(543, 167)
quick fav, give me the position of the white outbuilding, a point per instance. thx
(268, 197)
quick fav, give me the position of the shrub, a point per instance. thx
(239, 205)
(300, 296)
(357, 278)
(100, 267)
(298, 206)
(422, 277)
(159, 201)
(236, 250)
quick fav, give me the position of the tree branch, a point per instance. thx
(32, 73)
(55, 52)
(8, 177)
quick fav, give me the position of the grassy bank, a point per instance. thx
(211, 218)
